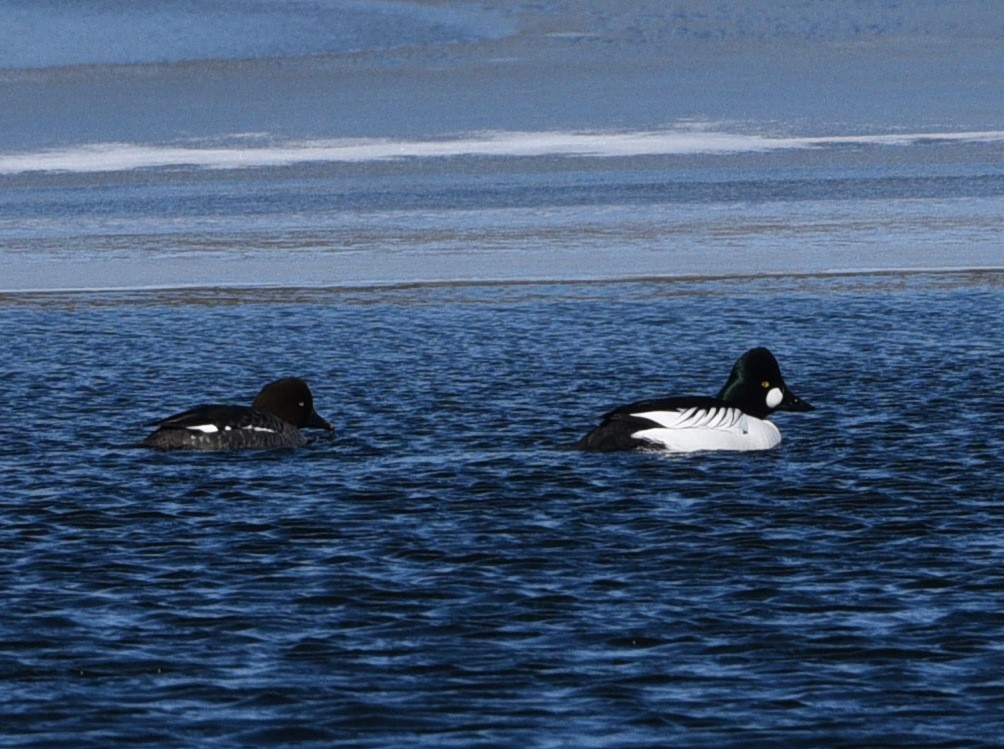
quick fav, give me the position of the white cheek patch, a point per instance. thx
(204, 428)
(774, 397)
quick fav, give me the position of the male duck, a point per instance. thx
(735, 419)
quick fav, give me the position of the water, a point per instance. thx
(57, 33)
(441, 573)
(474, 229)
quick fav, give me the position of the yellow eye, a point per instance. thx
(765, 384)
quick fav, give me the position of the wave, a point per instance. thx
(255, 152)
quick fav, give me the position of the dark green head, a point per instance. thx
(755, 385)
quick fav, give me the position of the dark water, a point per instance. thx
(439, 574)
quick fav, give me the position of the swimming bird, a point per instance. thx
(273, 420)
(735, 419)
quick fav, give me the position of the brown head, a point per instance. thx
(290, 399)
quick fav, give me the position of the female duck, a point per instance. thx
(274, 419)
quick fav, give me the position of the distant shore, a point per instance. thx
(512, 291)
(807, 102)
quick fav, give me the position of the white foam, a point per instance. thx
(109, 157)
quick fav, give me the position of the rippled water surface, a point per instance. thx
(441, 573)
(474, 228)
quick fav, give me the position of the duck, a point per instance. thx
(735, 419)
(273, 420)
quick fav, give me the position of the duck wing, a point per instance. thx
(620, 427)
(211, 418)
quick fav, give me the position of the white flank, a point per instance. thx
(694, 429)
(259, 429)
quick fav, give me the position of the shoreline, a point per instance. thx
(214, 294)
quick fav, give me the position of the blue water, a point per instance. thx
(56, 33)
(474, 229)
(441, 573)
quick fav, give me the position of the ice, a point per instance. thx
(112, 157)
